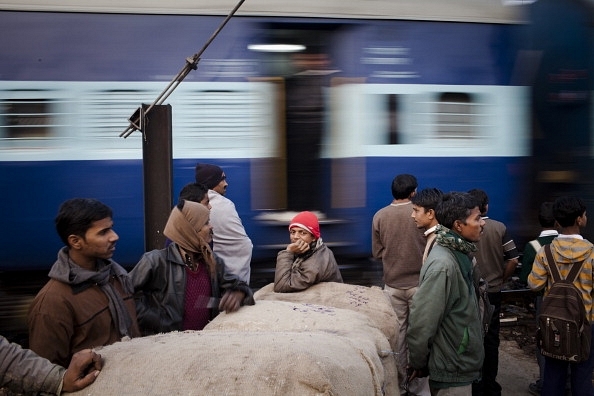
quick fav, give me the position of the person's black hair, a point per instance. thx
(403, 185)
(545, 215)
(75, 216)
(567, 209)
(427, 198)
(454, 206)
(482, 199)
(193, 192)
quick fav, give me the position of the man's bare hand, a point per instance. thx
(84, 368)
(298, 247)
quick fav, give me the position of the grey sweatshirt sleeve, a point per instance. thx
(23, 371)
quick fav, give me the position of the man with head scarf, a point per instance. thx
(230, 241)
(183, 286)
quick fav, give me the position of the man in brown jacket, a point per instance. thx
(88, 301)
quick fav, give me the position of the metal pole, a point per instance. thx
(157, 153)
(191, 64)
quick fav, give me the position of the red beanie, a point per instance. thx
(307, 221)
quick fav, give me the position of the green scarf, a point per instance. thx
(461, 249)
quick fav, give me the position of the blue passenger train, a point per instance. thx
(442, 90)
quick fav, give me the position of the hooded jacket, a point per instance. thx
(566, 252)
(159, 279)
(72, 312)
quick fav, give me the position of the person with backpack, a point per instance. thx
(566, 251)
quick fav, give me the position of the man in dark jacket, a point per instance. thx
(183, 286)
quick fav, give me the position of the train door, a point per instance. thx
(560, 33)
(296, 57)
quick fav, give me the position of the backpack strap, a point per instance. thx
(573, 272)
(535, 244)
(431, 246)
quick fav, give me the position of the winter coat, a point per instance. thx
(444, 325)
(295, 273)
(159, 280)
(68, 315)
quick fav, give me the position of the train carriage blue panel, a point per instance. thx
(435, 99)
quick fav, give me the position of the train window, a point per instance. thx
(393, 136)
(105, 111)
(224, 121)
(27, 118)
(213, 114)
(389, 120)
(385, 112)
(208, 119)
(103, 116)
(455, 116)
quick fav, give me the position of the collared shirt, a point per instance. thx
(430, 231)
(575, 236)
(545, 233)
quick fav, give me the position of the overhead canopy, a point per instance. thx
(490, 11)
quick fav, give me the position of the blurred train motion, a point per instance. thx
(463, 94)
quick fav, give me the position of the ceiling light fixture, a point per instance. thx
(276, 47)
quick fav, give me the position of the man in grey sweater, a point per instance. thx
(399, 244)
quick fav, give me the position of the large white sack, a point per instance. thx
(332, 339)
(373, 302)
(234, 363)
(355, 330)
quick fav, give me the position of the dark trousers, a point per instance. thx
(488, 386)
(555, 376)
(539, 358)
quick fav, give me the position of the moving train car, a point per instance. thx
(374, 89)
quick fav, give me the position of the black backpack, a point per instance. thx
(563, 328)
